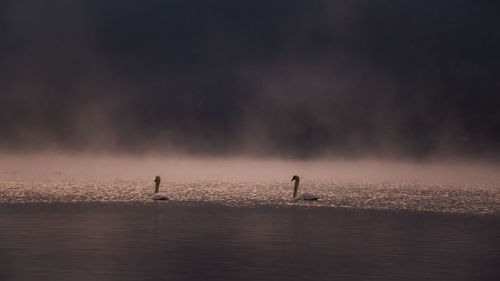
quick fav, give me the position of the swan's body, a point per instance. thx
(303, 196)
(306, 196)
(159, 195)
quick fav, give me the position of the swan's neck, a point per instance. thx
(295, 188)
(157, 188)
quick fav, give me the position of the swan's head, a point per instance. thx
(295, 178)
(157, 179)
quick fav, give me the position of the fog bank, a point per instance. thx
(81, 167)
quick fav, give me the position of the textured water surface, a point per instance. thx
(450, 188)
(396, 195)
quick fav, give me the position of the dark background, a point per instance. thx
(416, 79)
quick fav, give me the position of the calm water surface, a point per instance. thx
(209, 241)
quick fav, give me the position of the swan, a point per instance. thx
(159, 195)
(303, 196)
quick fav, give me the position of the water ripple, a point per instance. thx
(393, 195)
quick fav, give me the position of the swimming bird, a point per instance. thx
(303, 196)
(159, 195)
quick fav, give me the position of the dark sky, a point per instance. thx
(283, 78)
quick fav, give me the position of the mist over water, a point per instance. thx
(90, 166)
(239, 182)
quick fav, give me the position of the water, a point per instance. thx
(234, 221)
(447, 188)
(179, 241)
(388, 195)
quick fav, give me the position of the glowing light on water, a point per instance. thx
(389, 195)
(366, 185)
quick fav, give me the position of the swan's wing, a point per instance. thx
(160, 196)
(308, 196)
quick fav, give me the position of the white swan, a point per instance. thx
(303, 196)
(159, 195)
